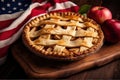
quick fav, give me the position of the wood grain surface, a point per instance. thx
(38, 67)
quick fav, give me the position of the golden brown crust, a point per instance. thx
(67, 54)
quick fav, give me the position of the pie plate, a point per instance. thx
(64, 36)
(38, 67)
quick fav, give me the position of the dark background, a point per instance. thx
(12, 70)
(114, 6)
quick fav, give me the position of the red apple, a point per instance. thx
(111, 30)
(99, 14)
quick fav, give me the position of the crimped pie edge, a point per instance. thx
(39, 52)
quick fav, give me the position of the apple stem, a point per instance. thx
(100, 8)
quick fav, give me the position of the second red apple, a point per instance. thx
(111, 29)
(99, 14)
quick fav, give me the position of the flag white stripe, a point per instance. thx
(10, 16)
(62, 5)
(22, 17)
(10, 40)
(59, 6)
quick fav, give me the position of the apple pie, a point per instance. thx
(62, 36)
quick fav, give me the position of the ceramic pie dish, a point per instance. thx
(62, 36)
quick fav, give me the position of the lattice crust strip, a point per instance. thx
(63, 35)
(69, 32)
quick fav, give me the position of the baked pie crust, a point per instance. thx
(63, 36)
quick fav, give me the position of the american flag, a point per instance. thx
(15, 13)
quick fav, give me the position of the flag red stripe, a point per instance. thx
(4, 35)
(9, 33)
(35, 12)
(38, 10)
(42, 9)
(6, 23)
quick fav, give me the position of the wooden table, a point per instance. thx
(12, 70)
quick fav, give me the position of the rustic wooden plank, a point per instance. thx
(108, 69)
(104, 72)
(38, 67)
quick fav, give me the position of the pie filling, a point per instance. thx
(62, 34)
